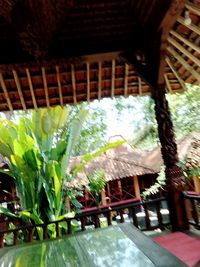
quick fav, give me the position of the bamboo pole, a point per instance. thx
(184, 51)
(73, 83)
(140, 85)
(88, 82)
(45, 87)
(19, 89)
(99, 80)
(192, 8)
(59, 85)
(113, 79)
(126, 80)
(2, 82)
(185, 41)
(184, 63)
(175, 73)
(168, 83)
(31, 89)
(192, 27)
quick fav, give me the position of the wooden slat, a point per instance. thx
(113, 79)
(88, 81)
(193, 8)
(19, 89)
(2, 82)
(140, 85)
(167, 83)
(184, 63)
(126, 80)
(59, 85)
(99, 80)
(184, 51)
(45, 87)
(73, 84)
(192, 27)
(31, 88)
(185, 41)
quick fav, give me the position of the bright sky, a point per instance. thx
(115, 126)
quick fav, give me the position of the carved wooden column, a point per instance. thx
(175, 179)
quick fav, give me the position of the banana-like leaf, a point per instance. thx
(75, 129)
(88, 157)
(8, 213)
(46, 122)
(5, 150)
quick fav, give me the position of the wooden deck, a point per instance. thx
(184, 246)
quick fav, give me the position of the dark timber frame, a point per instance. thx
(42, 63)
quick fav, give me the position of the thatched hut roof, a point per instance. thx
(121, 162)
(187, 148)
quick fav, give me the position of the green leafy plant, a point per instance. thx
(96, 184)
(159, 184)
(38, 150)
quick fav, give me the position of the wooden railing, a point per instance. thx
(144, 215)
(192, 202)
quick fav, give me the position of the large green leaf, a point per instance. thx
(88, 157)
(75, 129)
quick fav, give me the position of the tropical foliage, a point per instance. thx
(157, 186)
(38, 150)
(96, 184)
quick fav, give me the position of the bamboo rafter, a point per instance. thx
(99, 80)
(184, 51)
(31, 88)
(88, 81)
(185, 41)
(73, 84)
(19, 89)
(126, 80)
(59, 85)
(192, 27)
(167, 83)
(2, 82)
(175, 73)
(184, 63)
(140, 85)
(113, 79)
(45, 87)
(193, 8)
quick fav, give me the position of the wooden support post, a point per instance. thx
(136, 186)
(103, 197)
(68, 204)
(196, 181)
(174, 174)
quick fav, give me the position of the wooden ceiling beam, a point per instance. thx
(166, 25)
(31, 89)
(192, 27)
(184, 63)
(184, 51)
(194, 9)
(73, 84)
(99, 80)
(113, 79)
(19, 89)
(140, 85)
(6, 95)
(45, 87)
(175, 73)
(167, 83)
(59, 85)
(126, 80)
(185, 41)
(88, 81)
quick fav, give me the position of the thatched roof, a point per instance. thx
(187, 148)
(121, 162)
(60, 52)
